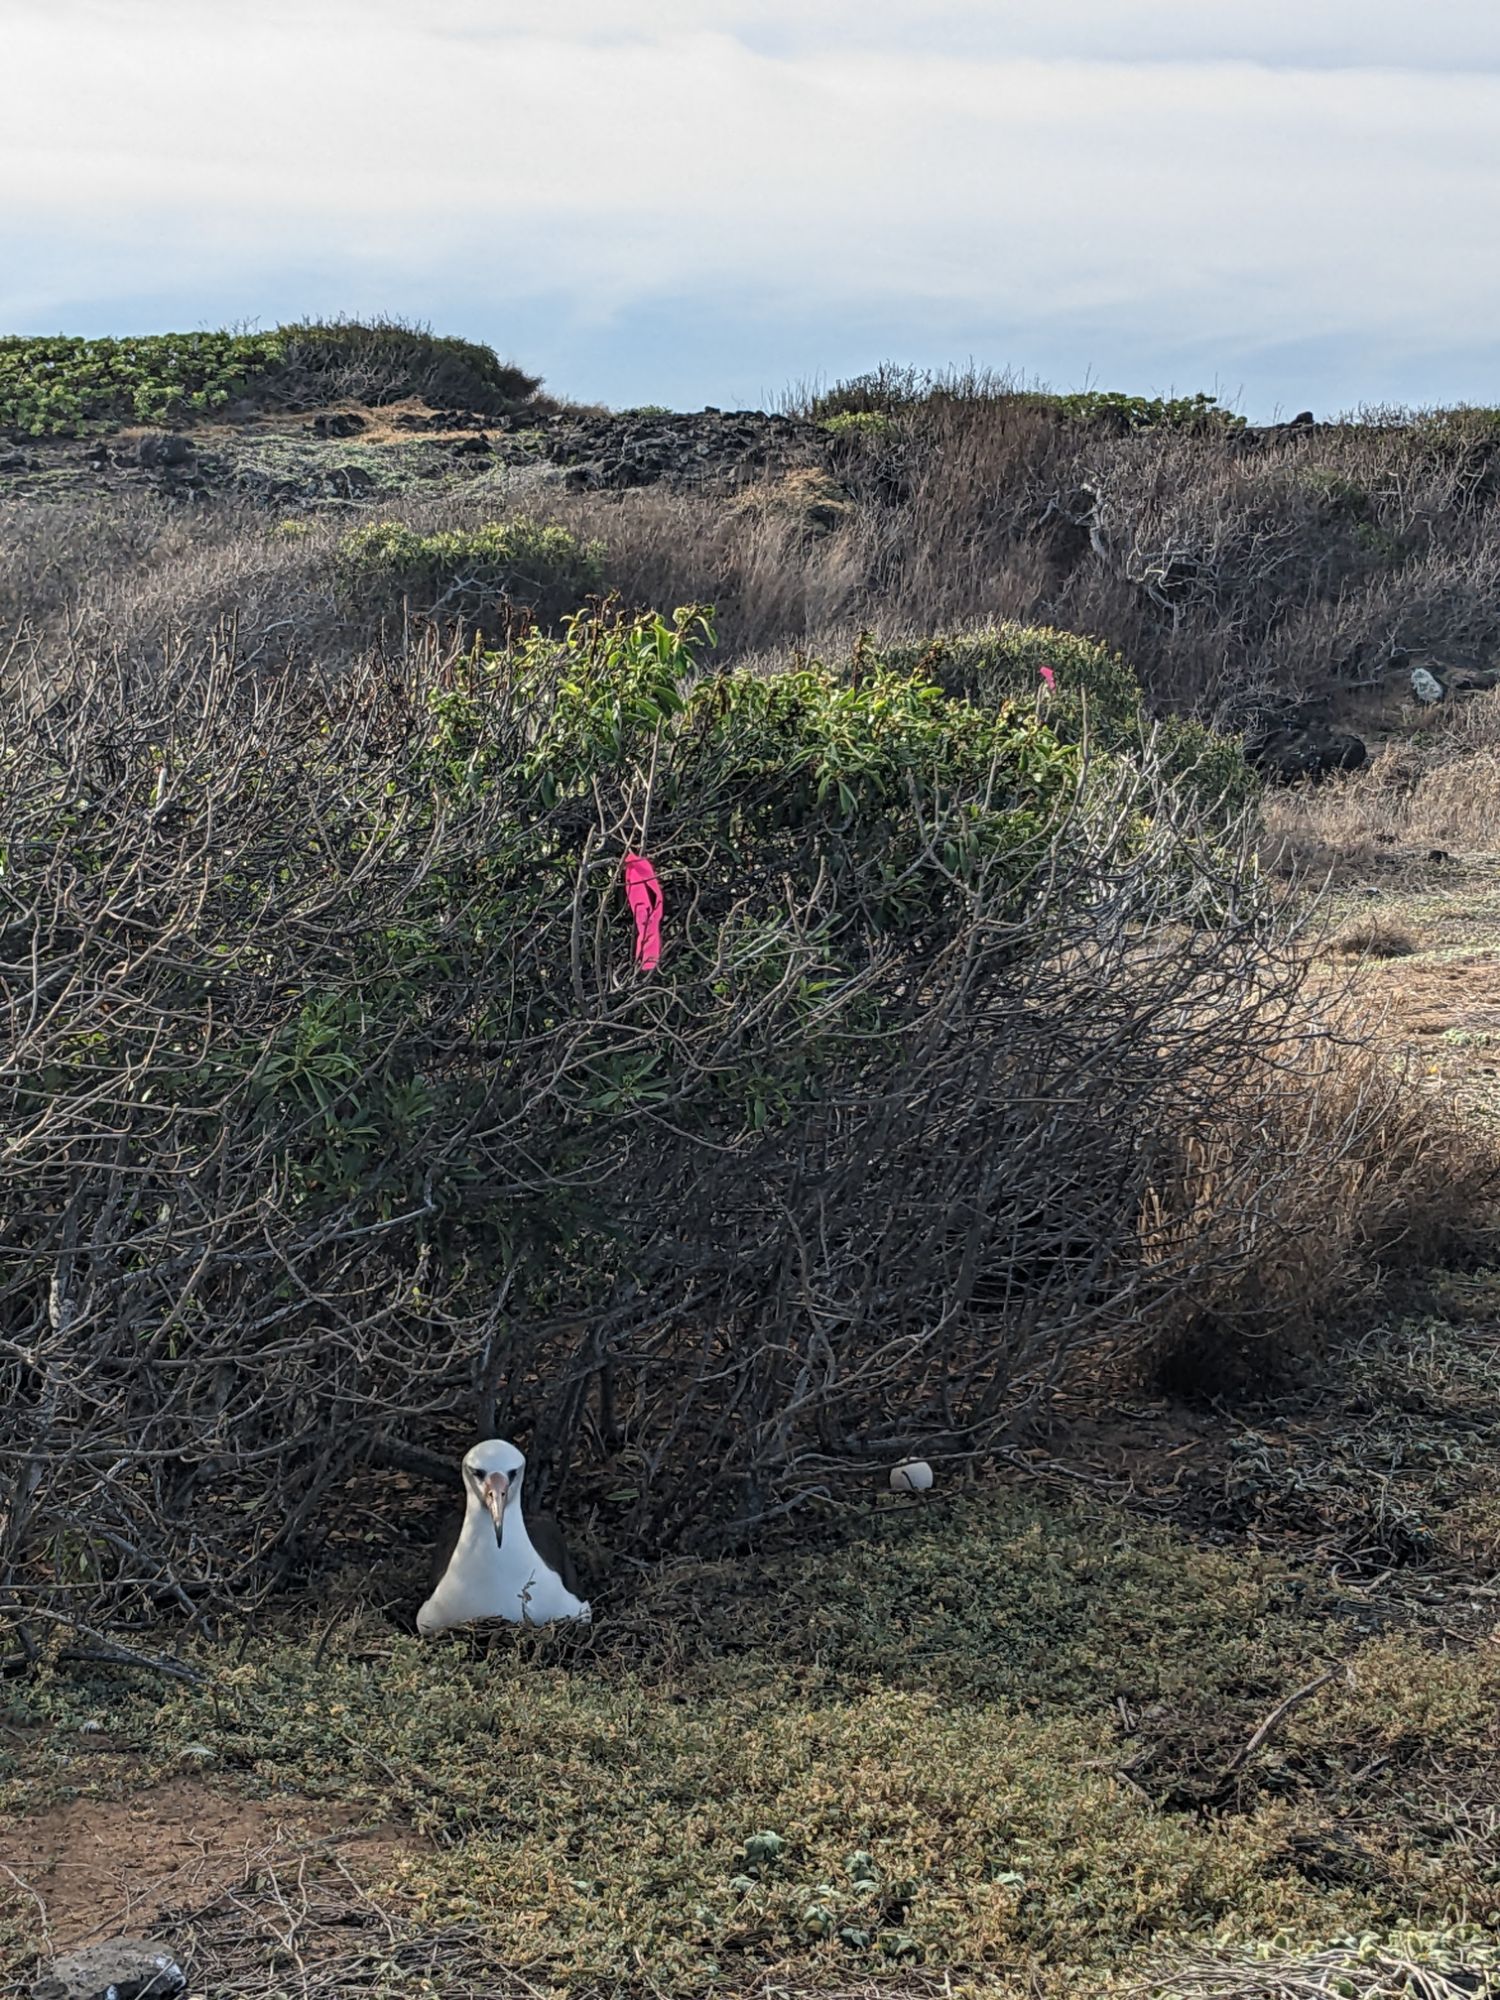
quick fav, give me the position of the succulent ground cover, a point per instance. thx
(65, 386)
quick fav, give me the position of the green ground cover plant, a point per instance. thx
(65, 386)
(962, 1736)
(472, 573)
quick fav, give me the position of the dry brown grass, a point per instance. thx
(1343, 1171)
(1436, 790)
(1377, 937)
(1232, 573)
(1450, 1968)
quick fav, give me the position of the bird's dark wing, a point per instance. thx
(547, 1540)
(443, 1547)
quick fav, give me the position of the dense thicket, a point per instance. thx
(337, 1115)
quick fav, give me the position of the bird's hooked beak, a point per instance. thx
(494, 1491)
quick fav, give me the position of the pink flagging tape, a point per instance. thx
(643, 893)
(1048, 676)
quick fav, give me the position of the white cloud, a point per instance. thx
(1029, 165)
(1453, 34)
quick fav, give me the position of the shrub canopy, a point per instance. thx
(1093, 693)
(338, 1117)
(471, 573)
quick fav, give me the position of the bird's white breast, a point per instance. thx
(508, 1580)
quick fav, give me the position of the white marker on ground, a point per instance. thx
(915, 1476)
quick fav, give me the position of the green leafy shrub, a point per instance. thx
(892, 388)
(62, 386)
(466, 572)
(1094, 691)
(397, 1120)
(858, 425)
(1116, 410)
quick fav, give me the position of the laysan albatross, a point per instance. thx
(492, 1563)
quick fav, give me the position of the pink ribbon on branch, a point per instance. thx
(643, 893)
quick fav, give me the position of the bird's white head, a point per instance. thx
(492, 1474)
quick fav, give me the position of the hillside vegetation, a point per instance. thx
(1281, 581)
(63, 387)
(1010, 1092)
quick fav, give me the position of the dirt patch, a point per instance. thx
(1431, 996)
(92, 1868)
(1446, 1011)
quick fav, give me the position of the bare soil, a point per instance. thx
(94, 1868)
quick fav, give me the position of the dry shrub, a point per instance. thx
(384, 360)
(773, 584)
(1376, 937)
(947, 1012)
(131, 578)
(1335, 1169)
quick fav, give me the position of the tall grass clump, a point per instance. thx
(338, 1117)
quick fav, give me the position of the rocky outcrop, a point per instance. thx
(1302, 744)
(164, 448)
(678, 449)
(121, 1969)
(623, 448)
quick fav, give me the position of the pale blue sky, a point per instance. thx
(703, 200)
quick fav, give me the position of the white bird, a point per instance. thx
(492, 1564)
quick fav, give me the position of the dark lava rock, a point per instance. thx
(163, 449)
(1304, 424)
(1288, 755)
(478, 446)
(121, 1969)
(675, 448)
(351, 482)
(14, 461)
(338, 424)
